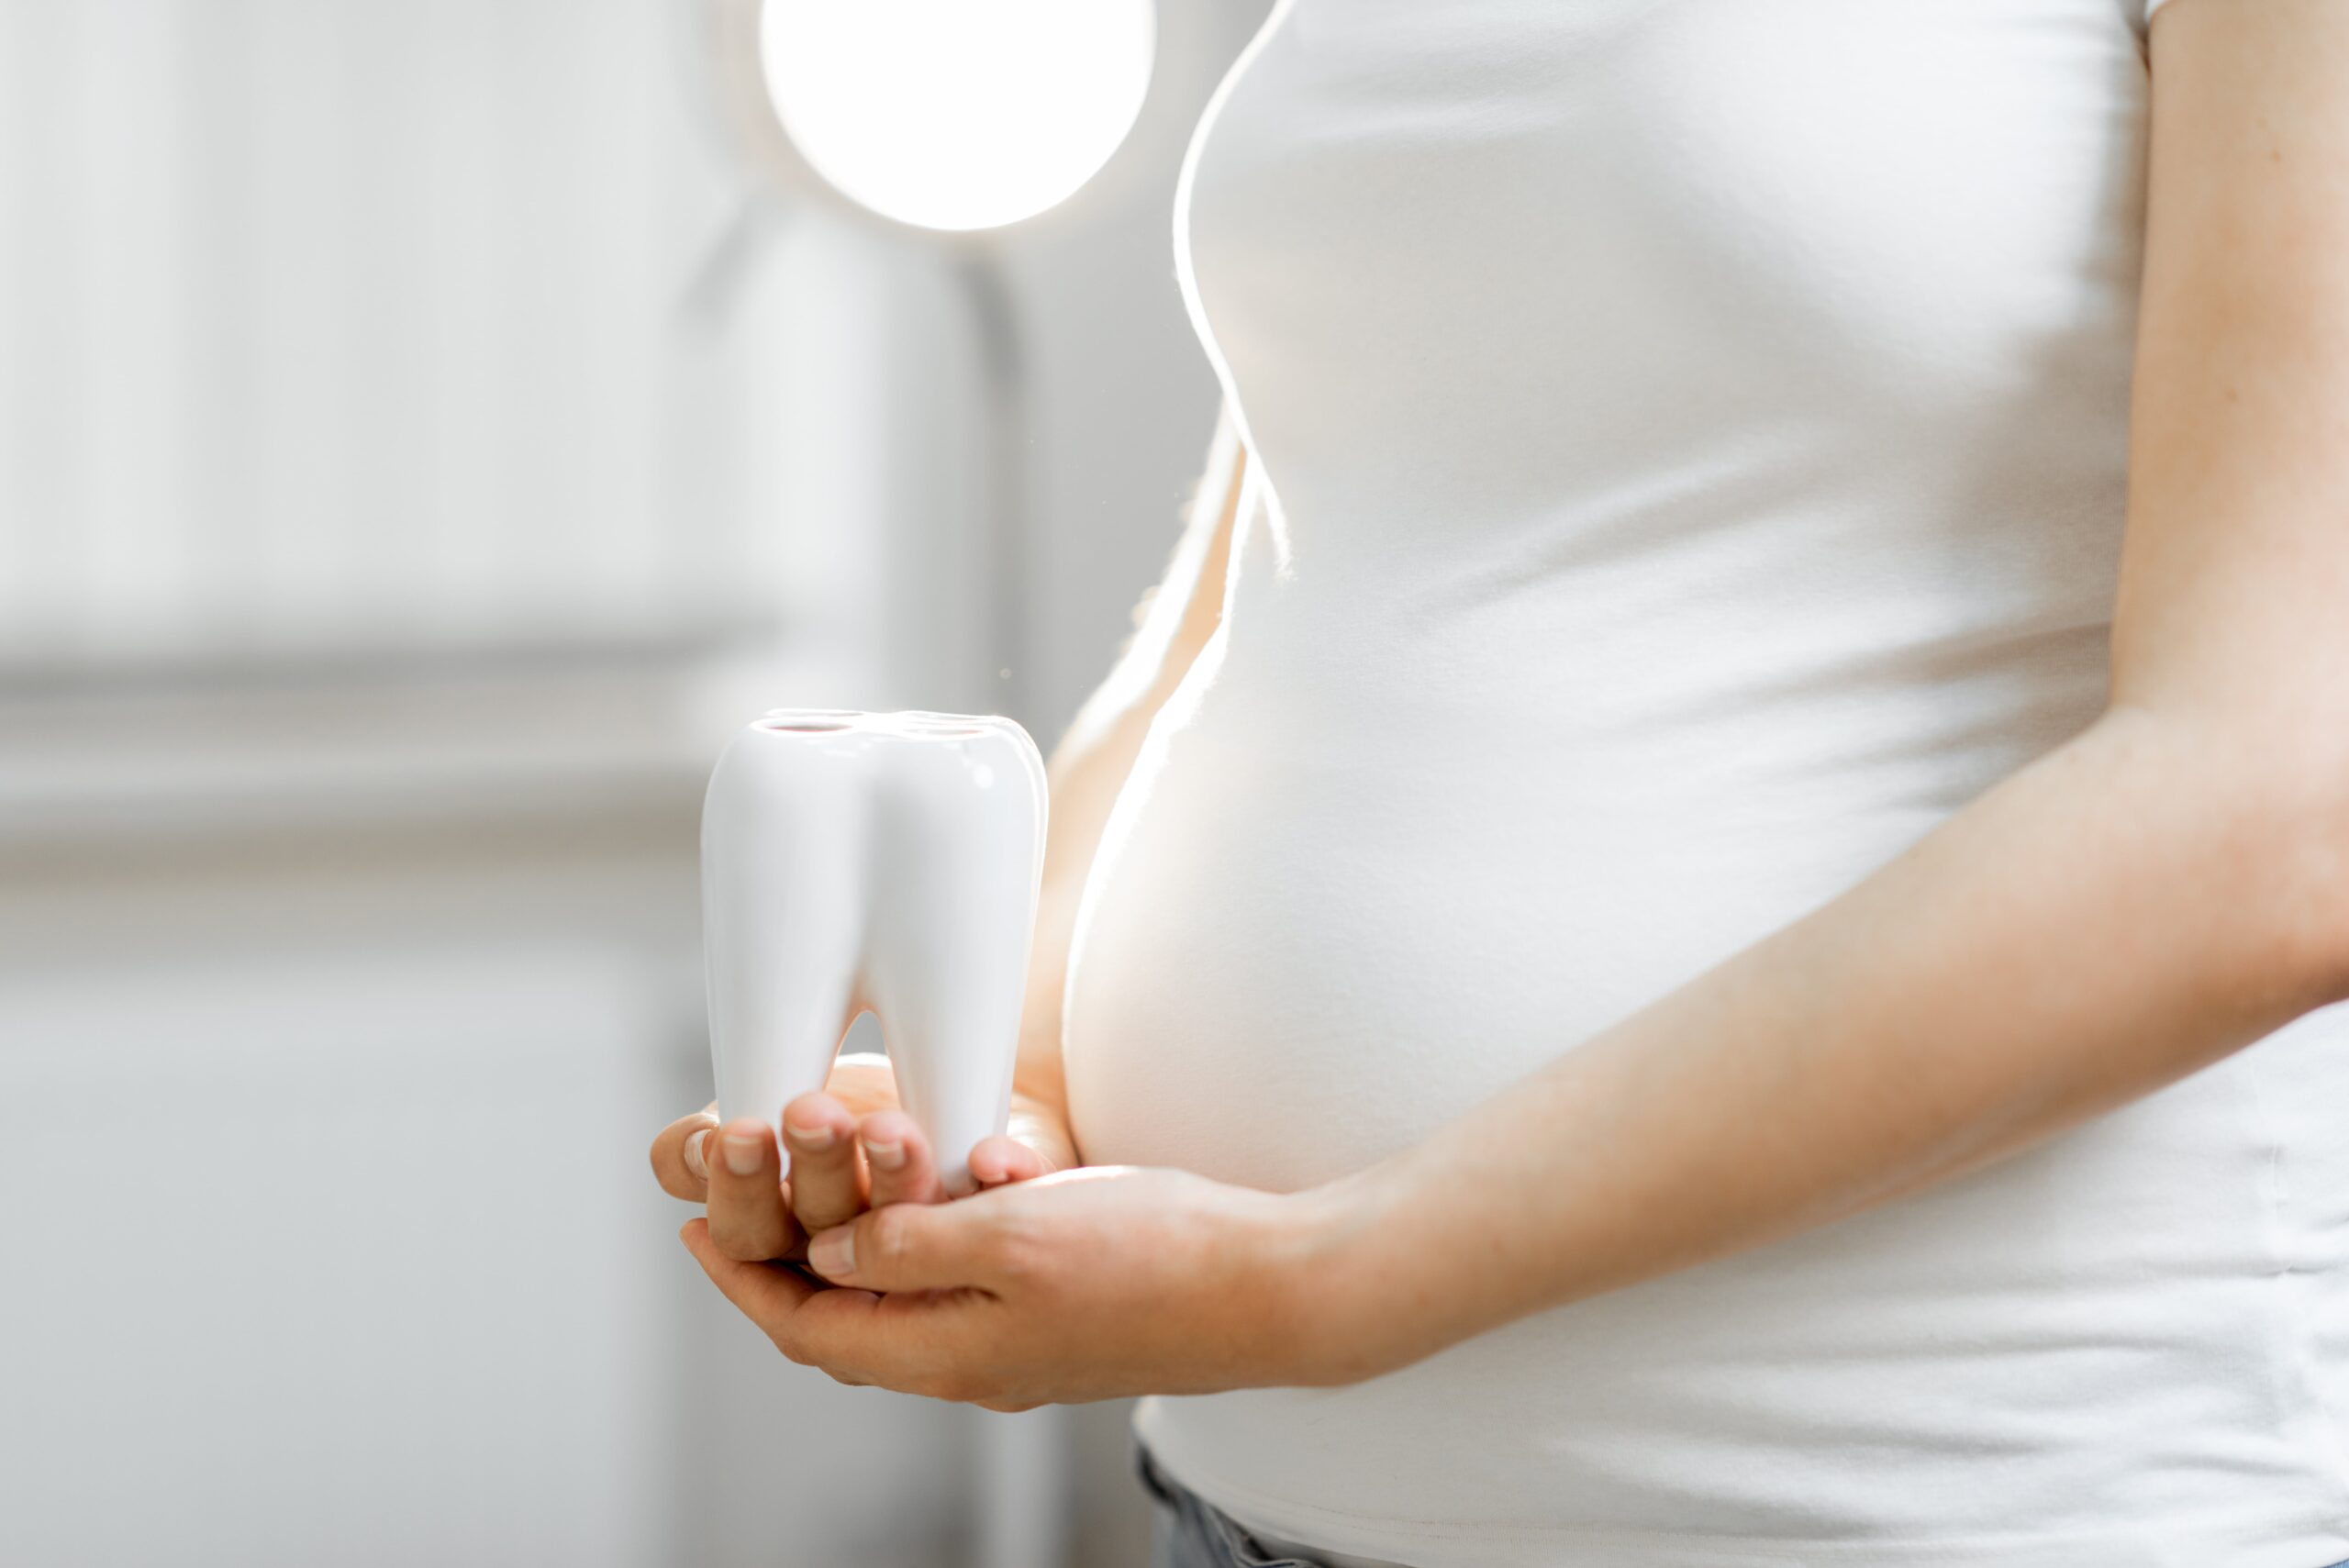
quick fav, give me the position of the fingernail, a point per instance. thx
(814, 1140)
(833, 1254)
(885, 1156)
(696, 1159)
(742, 1153)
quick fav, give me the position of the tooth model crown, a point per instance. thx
(867, 862)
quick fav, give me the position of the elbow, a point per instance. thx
(2309, 922)
(2317, 919)
(2264, 809)
(2290, 838)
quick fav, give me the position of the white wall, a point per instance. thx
(388, 532)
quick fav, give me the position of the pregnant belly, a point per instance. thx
(1306, 943)
(1310, 941)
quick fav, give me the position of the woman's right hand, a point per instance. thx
(851, 1148)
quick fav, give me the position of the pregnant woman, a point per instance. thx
(1697, 932)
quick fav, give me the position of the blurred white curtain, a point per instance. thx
(352, 327)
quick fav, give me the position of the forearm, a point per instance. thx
(1090, 765)
(2132, 907)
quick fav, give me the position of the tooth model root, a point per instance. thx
(889, 863)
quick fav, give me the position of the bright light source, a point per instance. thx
(957, 114)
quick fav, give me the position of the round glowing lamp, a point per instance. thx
(956, 114)
(950, 116)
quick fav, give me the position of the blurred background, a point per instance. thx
(428, 427)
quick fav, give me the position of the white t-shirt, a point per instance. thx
(1691, 437)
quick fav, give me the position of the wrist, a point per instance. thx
(1346, 1306)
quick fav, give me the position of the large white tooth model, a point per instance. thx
(854, 862)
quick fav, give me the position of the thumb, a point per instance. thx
(910, 1245)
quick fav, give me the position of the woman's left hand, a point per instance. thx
(850, 1147)
(1089, 1285)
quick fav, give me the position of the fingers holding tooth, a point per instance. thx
(1001, 1158)
(899, 1159)
(827, 1174)
(747, 1221)
(681, 1155)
